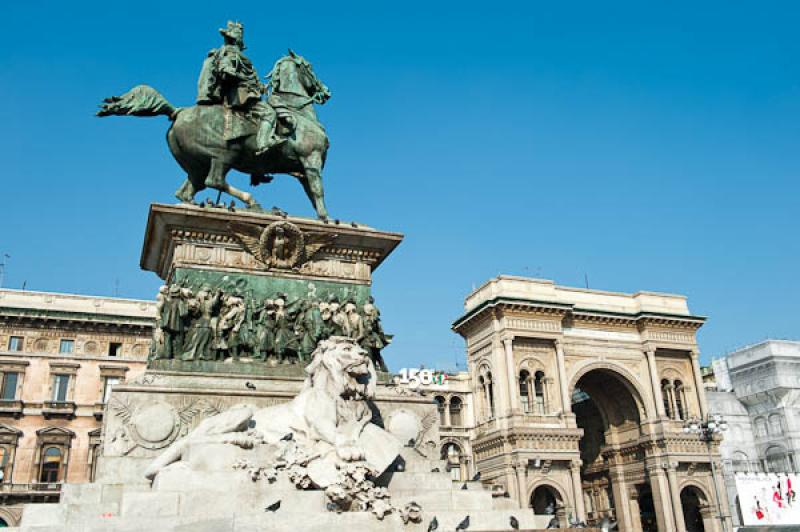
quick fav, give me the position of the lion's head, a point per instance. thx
(341, 363)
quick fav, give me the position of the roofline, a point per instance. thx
(77, 296)
(569, 308)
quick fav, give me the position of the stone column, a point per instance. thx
(566, 403)
(522, 484)
(698, 384)
(720, 500)
(499, 374)
(655, 383)
(548, 395)
(677, 508)
(447, 412)
(513, 386)
(622, 505)
(577, 488)
(662, 501)
(636, 526)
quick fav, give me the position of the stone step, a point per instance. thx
(152, 504)
(420, 481)
(216, 504)
(432, 500)
(79, 514)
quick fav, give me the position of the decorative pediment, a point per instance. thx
(55, 435)
(9, 434)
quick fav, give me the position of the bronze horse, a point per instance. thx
(196, 135)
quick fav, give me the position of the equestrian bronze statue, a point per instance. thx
(240, 123)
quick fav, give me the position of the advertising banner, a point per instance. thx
(768, 498)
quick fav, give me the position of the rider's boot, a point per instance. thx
(266, 137)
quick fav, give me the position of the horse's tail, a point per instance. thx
(141, 100)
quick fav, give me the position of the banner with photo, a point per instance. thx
(768, 498)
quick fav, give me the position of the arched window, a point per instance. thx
(52, 458)
(740, 462)
(776, 460)
(455, 411)
(680, 403)
(451, 454)
(525, 391)
(490, 393)
(544, 501)
(666, 395)
(538, 393)
(440, 406)
(481, 397)
(775, 424)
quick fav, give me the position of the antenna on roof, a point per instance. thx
(586, 279)
(6, 256)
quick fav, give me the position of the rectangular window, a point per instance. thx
(66, 346)
(114, 349)
(60, 388)
(8, 392)
(15, 343)
(110, 382)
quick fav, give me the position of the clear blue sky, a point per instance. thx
(650, 146)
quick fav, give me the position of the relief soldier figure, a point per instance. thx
(201, 332)
(227, 322)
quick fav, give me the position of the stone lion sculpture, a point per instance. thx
(328, 423)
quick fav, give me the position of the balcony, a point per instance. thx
(11, 407)
(99, 408)
(65, 409)
(21, 493)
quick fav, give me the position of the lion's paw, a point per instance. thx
(350, 453)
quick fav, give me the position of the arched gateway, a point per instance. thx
(607, 408)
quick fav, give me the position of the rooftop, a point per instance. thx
(546, 291)
(31, 303)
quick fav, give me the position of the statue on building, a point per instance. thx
(233, 127)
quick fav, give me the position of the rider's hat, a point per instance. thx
(234, 31)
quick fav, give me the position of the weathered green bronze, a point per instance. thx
(208, 316)
(233, 127)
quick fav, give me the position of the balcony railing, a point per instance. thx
(30, 489)
(52, 409)
(11, 407)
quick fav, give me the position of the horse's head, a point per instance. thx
(293, 74)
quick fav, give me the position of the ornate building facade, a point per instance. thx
(757, 390)
(60, 356)
(577, 399)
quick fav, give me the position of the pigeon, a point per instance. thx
(232, 206)
(606, 525)
(433, 525)
(477, 476)
(435, 470)
(354, 224)
(464, 486)
(463, 525)
(513, 522)
(337, 222)
(250, 385)
(273, 507)
(411, 443)
(288, 437)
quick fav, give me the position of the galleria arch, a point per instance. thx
(567, 389)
